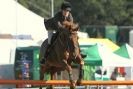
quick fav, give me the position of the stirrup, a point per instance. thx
(46, 54)
(83, 55)
(42, 61)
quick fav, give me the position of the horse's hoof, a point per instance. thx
(78, 82)
(73, 84)
(72, 87)
(40, 87)
(50, 87)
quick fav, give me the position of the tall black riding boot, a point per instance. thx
(42, 61)
(47, 50)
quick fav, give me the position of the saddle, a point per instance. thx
(49, 47)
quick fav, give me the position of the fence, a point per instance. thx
(64, 82)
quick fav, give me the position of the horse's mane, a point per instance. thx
(71, 26)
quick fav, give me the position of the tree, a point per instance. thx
(88, 12)
(103, 12)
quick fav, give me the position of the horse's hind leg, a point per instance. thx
(41, 74)
(80, 75)
(52, 76)
(42, 71)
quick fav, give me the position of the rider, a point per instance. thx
(56, 22)
(63, 15)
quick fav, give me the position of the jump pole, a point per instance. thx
(63, 82)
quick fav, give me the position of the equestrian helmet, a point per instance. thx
(66, 6)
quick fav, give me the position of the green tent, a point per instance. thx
(99, 55)
(123, 51)
(93, 57)
(126, 51)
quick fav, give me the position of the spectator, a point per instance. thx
(114, 74)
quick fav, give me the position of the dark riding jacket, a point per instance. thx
(55, 23)
(59, 18)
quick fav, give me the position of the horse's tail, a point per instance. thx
(43, 49)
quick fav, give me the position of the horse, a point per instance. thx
(64, 51)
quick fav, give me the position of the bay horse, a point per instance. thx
(64, 51)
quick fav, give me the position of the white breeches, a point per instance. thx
(50, 34)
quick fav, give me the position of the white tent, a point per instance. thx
(129, 70)
(16, 19)
(127, 48)
(90, 41)
(111, 59)
(106, 48)
(19, 22)
(130, 50)
(107, 57)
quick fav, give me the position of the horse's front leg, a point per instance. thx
(81, 71)
(52, 75)
(42, 71)
(69, 70)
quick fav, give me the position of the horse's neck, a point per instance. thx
(67, 24)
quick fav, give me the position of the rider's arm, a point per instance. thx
(58, 19)
(49, 24)
(57, 22)
(70, 18)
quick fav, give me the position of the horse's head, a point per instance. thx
(71, 36)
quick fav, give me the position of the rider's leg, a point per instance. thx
(50, 34)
